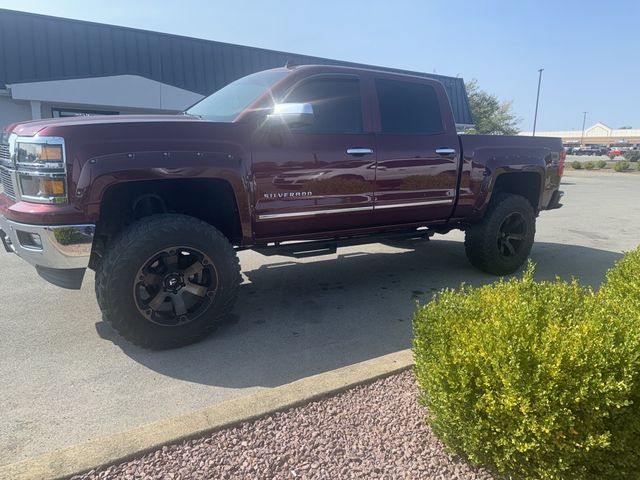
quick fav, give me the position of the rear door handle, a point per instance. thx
(446, 151)
(358, 152)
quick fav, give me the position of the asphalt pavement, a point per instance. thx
(66, 377)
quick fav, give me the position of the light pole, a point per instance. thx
(535, 116)
(584, 119)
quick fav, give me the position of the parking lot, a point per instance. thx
(593, 158)
(66, 377)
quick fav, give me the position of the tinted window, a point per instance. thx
(407, 107)
(337, 107)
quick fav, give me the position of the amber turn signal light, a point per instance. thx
(52, 153)
(52, 186)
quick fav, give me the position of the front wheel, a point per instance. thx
(167, 281)
(501, 243)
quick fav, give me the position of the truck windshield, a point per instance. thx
(228, 102)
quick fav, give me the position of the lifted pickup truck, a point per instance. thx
(293, 160)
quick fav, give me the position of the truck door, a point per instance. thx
(318, 177)
(417, 150)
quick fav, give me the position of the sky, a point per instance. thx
(589, 49)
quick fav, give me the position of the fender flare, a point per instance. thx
(101, 173)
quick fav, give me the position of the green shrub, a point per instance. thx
(632, 155)
(576, 165)
(535, 380)
(611, 156)
(601, 164)
(621, 165)
(621, 291)
(590, 165)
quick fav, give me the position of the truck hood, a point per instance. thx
(32, 128)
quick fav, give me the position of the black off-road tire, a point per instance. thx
(124, 257)
(481, 240)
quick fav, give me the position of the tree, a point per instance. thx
(489, 114)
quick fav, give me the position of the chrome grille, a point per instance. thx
(6, 178)
(4, 153)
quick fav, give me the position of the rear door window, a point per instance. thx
(408, 108)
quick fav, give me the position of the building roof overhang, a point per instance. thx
(131, 91)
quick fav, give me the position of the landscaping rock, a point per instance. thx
(373, 431)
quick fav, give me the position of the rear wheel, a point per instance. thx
(167, 281)
(501, 243)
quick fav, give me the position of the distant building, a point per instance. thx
(56, 67)
(598, 134)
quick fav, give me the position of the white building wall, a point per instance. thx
(599, 130)
(12, 111)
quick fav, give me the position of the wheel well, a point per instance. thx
(210, 200)
(526, 184)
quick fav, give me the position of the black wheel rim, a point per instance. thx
(174, 286)
(512, 235)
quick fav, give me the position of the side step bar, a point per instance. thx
(328, 246)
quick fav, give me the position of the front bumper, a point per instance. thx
(60, 253)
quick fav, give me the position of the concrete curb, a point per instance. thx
(133, 443)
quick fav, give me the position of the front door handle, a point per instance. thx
(446, 151)
(358, 152)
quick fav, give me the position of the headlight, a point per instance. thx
(40, 155)
(40, 162)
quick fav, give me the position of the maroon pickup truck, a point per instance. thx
(295, 160)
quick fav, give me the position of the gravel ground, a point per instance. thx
(373, 431)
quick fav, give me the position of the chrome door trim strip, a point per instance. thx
(415, 204)
(268, 216)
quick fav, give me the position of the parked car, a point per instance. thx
(615, 151)
(603, 149)
(288, 161)
(591, 150)
(577, 150)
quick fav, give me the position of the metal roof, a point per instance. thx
(37, 48)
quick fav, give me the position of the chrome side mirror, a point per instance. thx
(293, 114)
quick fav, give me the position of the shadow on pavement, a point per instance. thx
(294, 319)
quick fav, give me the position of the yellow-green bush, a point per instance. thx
(536, 380)
(621, 165)
(621, 292)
